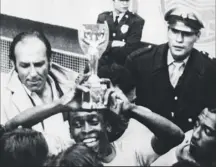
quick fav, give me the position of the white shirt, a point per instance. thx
(170, 63)
(120, 16)
(54, 125)
(134, 147)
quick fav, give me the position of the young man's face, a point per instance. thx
(121, 6)
(32, 63)
(181, 39)
(88, 128)
(203, 142)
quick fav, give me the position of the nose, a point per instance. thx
(196, 133)
(179, 37)
(33, 72)
(87, 128)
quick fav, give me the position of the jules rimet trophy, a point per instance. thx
(93, 39)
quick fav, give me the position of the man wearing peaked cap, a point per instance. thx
(174, 79)
(125, 30)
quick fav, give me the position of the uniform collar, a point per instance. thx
(170, 59)
(195, 61)
(120, 16)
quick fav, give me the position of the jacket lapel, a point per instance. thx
(110, 21)
(123, 19)
(160, 74)
(19, 96)
(193, 72)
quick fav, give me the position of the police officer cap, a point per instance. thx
(185, 15)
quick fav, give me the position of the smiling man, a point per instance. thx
(174, 79)
(199, 146)
(147, 136)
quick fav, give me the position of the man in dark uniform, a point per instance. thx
(125, 30)
(174, 79)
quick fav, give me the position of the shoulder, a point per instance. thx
(135, 17)
(103, 14)
(204, 61)
(143, 52)
(204, 56)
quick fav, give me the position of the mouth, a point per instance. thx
(193, 144)
(91, 142)
(34, 82)
(178, 47)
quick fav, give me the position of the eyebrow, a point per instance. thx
(204, 116)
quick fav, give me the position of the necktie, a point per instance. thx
(176, 72)
(116, 20)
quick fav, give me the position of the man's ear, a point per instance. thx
(198, 35)
(13, 63)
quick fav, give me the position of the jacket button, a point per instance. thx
(123, 40)
(113, 34)
(176, 98)
(172, 114)
(190, 120)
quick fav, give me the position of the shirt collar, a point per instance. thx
(120, 16)
(170, 59)
(53, 87)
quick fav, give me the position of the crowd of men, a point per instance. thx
(160, 102)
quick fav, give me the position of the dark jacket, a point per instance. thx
(195, 89)
(129, 30)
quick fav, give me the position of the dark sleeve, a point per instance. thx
(130, 65)
(210, 93)
(100, 18)
(135, 33)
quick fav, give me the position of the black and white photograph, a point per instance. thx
(108, 83)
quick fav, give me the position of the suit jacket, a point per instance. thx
(195, 89)
(14, 98)
(129, 30)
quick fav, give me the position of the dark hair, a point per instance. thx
(119, 76)
(23, 147)
(23, 35)
(76, 155)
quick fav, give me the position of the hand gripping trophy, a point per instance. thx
(93, 39)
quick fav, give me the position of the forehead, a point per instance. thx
(209, 119)
(84, 114)
(178, 25)
(30, 48)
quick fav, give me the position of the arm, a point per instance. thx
(37, 114)
(166, 134)
(33, 116)
(135, 32)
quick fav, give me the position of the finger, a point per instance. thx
(83, 88)
(106, 81)
(83, 77)
(107, 95)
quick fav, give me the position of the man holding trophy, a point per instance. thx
(95, 107)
